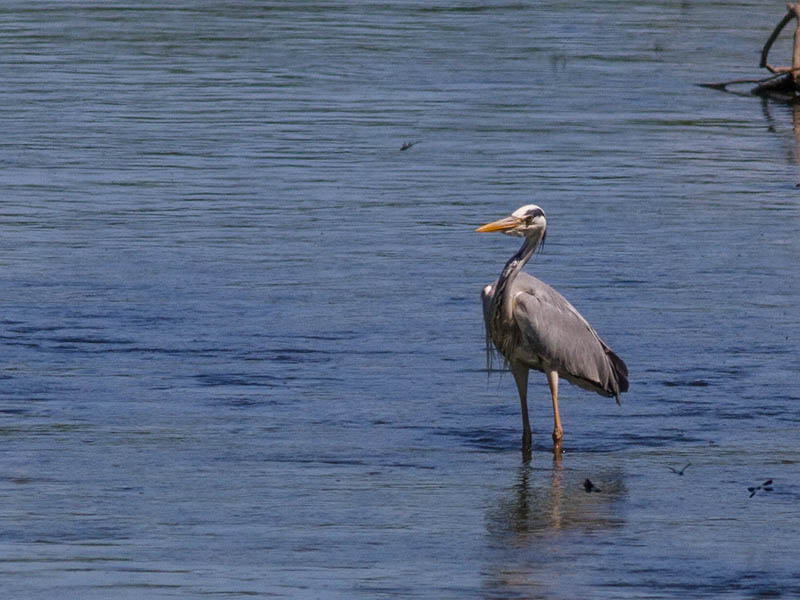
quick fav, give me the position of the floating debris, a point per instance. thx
(681, 471)
(590, 487)
(407, 145)
(766, 486)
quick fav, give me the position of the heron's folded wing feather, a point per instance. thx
(556, 332)
(486, 299)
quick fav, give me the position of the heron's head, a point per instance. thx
(526, 221)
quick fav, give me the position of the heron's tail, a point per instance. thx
(620, 370)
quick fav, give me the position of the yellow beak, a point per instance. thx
(501, 225)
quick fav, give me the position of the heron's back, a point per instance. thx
(548, 333)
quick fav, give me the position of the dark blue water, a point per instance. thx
(240, 329)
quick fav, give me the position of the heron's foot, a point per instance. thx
(558, 435)
(526, 447)
(527, 455)
(557, 451)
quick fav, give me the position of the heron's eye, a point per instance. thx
(528, 220)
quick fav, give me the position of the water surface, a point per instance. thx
(241, 334)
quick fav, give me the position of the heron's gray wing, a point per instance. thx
(557, 333)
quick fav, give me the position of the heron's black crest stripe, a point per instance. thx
(535, 212)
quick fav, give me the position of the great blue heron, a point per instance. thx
(534, 327)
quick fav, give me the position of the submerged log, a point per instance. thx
(784, 85)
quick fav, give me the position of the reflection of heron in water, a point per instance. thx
(530, 519)
(531, 507)
(534, 327)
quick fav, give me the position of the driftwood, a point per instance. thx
(789, 78)
(784, 83)
(772, 80)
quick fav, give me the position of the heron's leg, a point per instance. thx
(521, 378)
(558, 433)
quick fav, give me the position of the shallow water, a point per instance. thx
(241, 334)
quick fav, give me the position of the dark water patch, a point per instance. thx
(241, 380)
(297, 351)
(70, 530)
(13, 341)
(401, 465)
(657, 441)
(87, 340)
(352, 462)
(44, 429)
(330, 337)
(15, 411)
(374, 461)
(458, 300)
(154, 570)
(202, 352)
(768, 411)
(756, 585)
(788, 417)
(497, 440)
(28, 329)
(136, 586)
(628, 282)
(686, 400)
(682, 409)
(243, 403)
(25, 480)
(372, 352)
(729, 415)
(473, 8)
(292, 355)
(686, 383)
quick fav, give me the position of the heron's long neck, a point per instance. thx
(511, 270)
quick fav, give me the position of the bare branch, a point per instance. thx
(774, 36)
(723, 84)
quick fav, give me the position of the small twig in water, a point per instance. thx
(722, 84)
(407, 145)
(766, 486)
